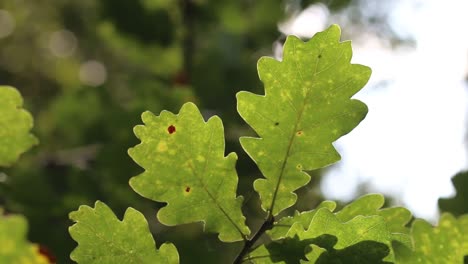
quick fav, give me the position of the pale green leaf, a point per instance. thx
(327, 231)
(395, 220)
(327, 239)
(281, 228)
(446, 243)
(15, 124)
(102, 238)
(14, 246)
(396, 217)
(305, 108)
(185, 166)
(364, 239)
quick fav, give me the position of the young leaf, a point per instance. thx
(185, 166)
(366, 234)
(305, 108)
(15, 124)
(396, 218)
(446, 243)
(14, 247)
(371, 204)
(326, 225)
(281, 228)
(102, 238)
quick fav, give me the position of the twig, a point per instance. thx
(267, 225)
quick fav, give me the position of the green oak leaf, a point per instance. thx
(340, 240)
(306, 107)
(364, 252)
(446, 243)
(103, 238)
(458, 204)
(185, 166)
(15, 124)
(281, 228)
(14, 246)
(396, 218)
(327, 231)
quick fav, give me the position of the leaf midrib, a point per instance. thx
(212, 197)
(292, 138)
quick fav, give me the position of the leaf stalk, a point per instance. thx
(267, 225)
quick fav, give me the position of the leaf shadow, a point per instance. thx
(292, 250)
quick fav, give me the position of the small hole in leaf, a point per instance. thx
(276, 123)
(187, 189)
(171, 129)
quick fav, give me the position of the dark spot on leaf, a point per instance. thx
(187, 189)
(299, 133)
(319, 56)
(299, 166)
(277, 123)
(171, 129)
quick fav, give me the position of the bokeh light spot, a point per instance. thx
(7, 23)
(62, 43)
(93, 73)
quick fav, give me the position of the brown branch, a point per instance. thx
(267, 225)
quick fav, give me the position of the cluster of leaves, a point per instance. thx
(15, 139)
(82, 156)
(306, 107)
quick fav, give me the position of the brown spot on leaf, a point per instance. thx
(299, 133)
(171, 129)
(187, 189)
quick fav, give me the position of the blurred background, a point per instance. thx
(87, 69)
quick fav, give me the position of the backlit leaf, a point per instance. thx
(446, 243)
(281, 228)
(367, 205)
(15, 124)
(395, 220)
(327, 239)
(185, 166)
(305, 108)
(327, 231)
(103, 238)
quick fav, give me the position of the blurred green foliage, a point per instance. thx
(88, 69)
(458, 204)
